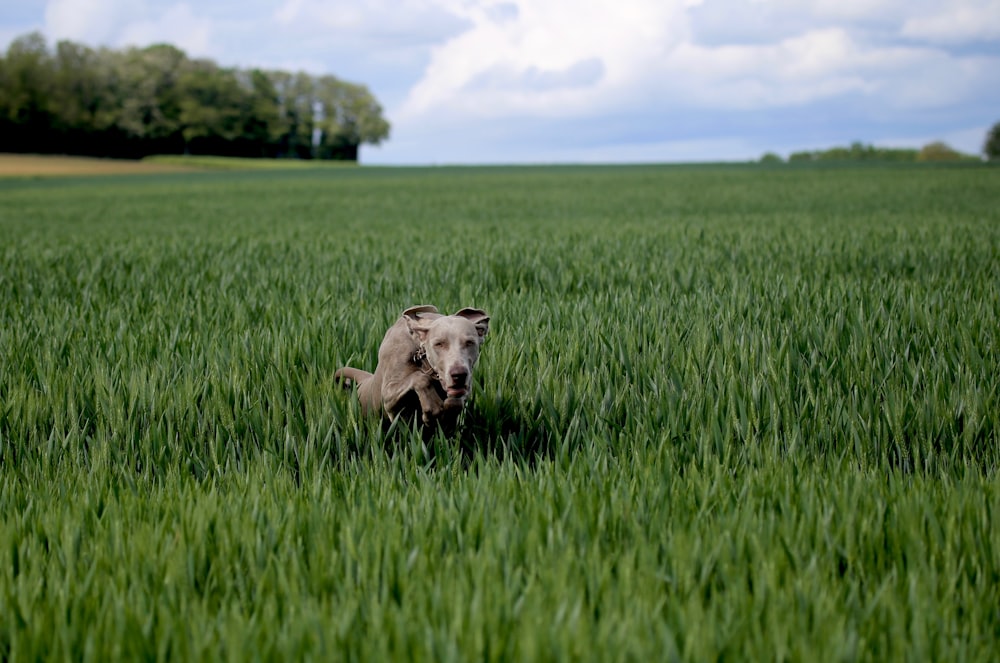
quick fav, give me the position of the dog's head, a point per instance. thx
(450, 343)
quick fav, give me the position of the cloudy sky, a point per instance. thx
(538, 81)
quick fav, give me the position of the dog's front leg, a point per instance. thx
(438, 409)
(397, 396)
(433, 404)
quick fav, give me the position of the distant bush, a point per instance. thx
(938, 151)
(856, 152)
(771, 157)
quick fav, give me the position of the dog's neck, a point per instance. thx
(420, 359)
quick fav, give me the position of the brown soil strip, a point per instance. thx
(32, 165)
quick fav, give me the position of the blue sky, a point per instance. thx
(584, 81)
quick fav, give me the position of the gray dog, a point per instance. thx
(425, 364)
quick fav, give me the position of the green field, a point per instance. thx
(723, 413)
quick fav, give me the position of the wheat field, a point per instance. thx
(722, 413)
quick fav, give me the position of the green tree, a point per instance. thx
(295, 96)
(27, 85)
(82, 103)
(260, 115)
(211, 100)
(140, 101)
(350, 116)
(991, 148)
(938, 151)
(150, 98)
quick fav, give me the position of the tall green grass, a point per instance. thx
(721, 413)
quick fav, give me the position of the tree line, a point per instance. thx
(856, 152)
(135, 102)
(932, 152)
(936, 151)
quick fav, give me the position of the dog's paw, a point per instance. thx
(432, 416)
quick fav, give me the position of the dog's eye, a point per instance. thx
(470, 343)
(440, 344)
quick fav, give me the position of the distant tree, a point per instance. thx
(260, 116)
(24, 97)
(350, 115)
(151, 98)
(296, 110)
(899, 155)
(140, 101)
(938, 151)
(861, 152)
(211, 100)
(992, 146)
(771, 158)
(802, 157)
(82, 103)
(857, 151)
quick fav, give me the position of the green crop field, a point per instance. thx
(723, 413)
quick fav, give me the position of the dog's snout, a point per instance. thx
(458, 376)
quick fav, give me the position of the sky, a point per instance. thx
(596, 81)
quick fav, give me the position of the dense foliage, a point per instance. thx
(141, 101)
(856, 152)
(859, 152)
(722, 414)
(991, 148)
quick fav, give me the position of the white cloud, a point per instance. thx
(846, 10)
(642, 53)
(129, 23)
(396, 20)
(825, 64)
(177, 25)
(971, 20)
(494, 67)
(89, 21)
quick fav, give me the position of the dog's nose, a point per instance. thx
(458, 376)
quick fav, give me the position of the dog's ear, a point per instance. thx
(478, 317)
(415, 311)
(416, 321)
